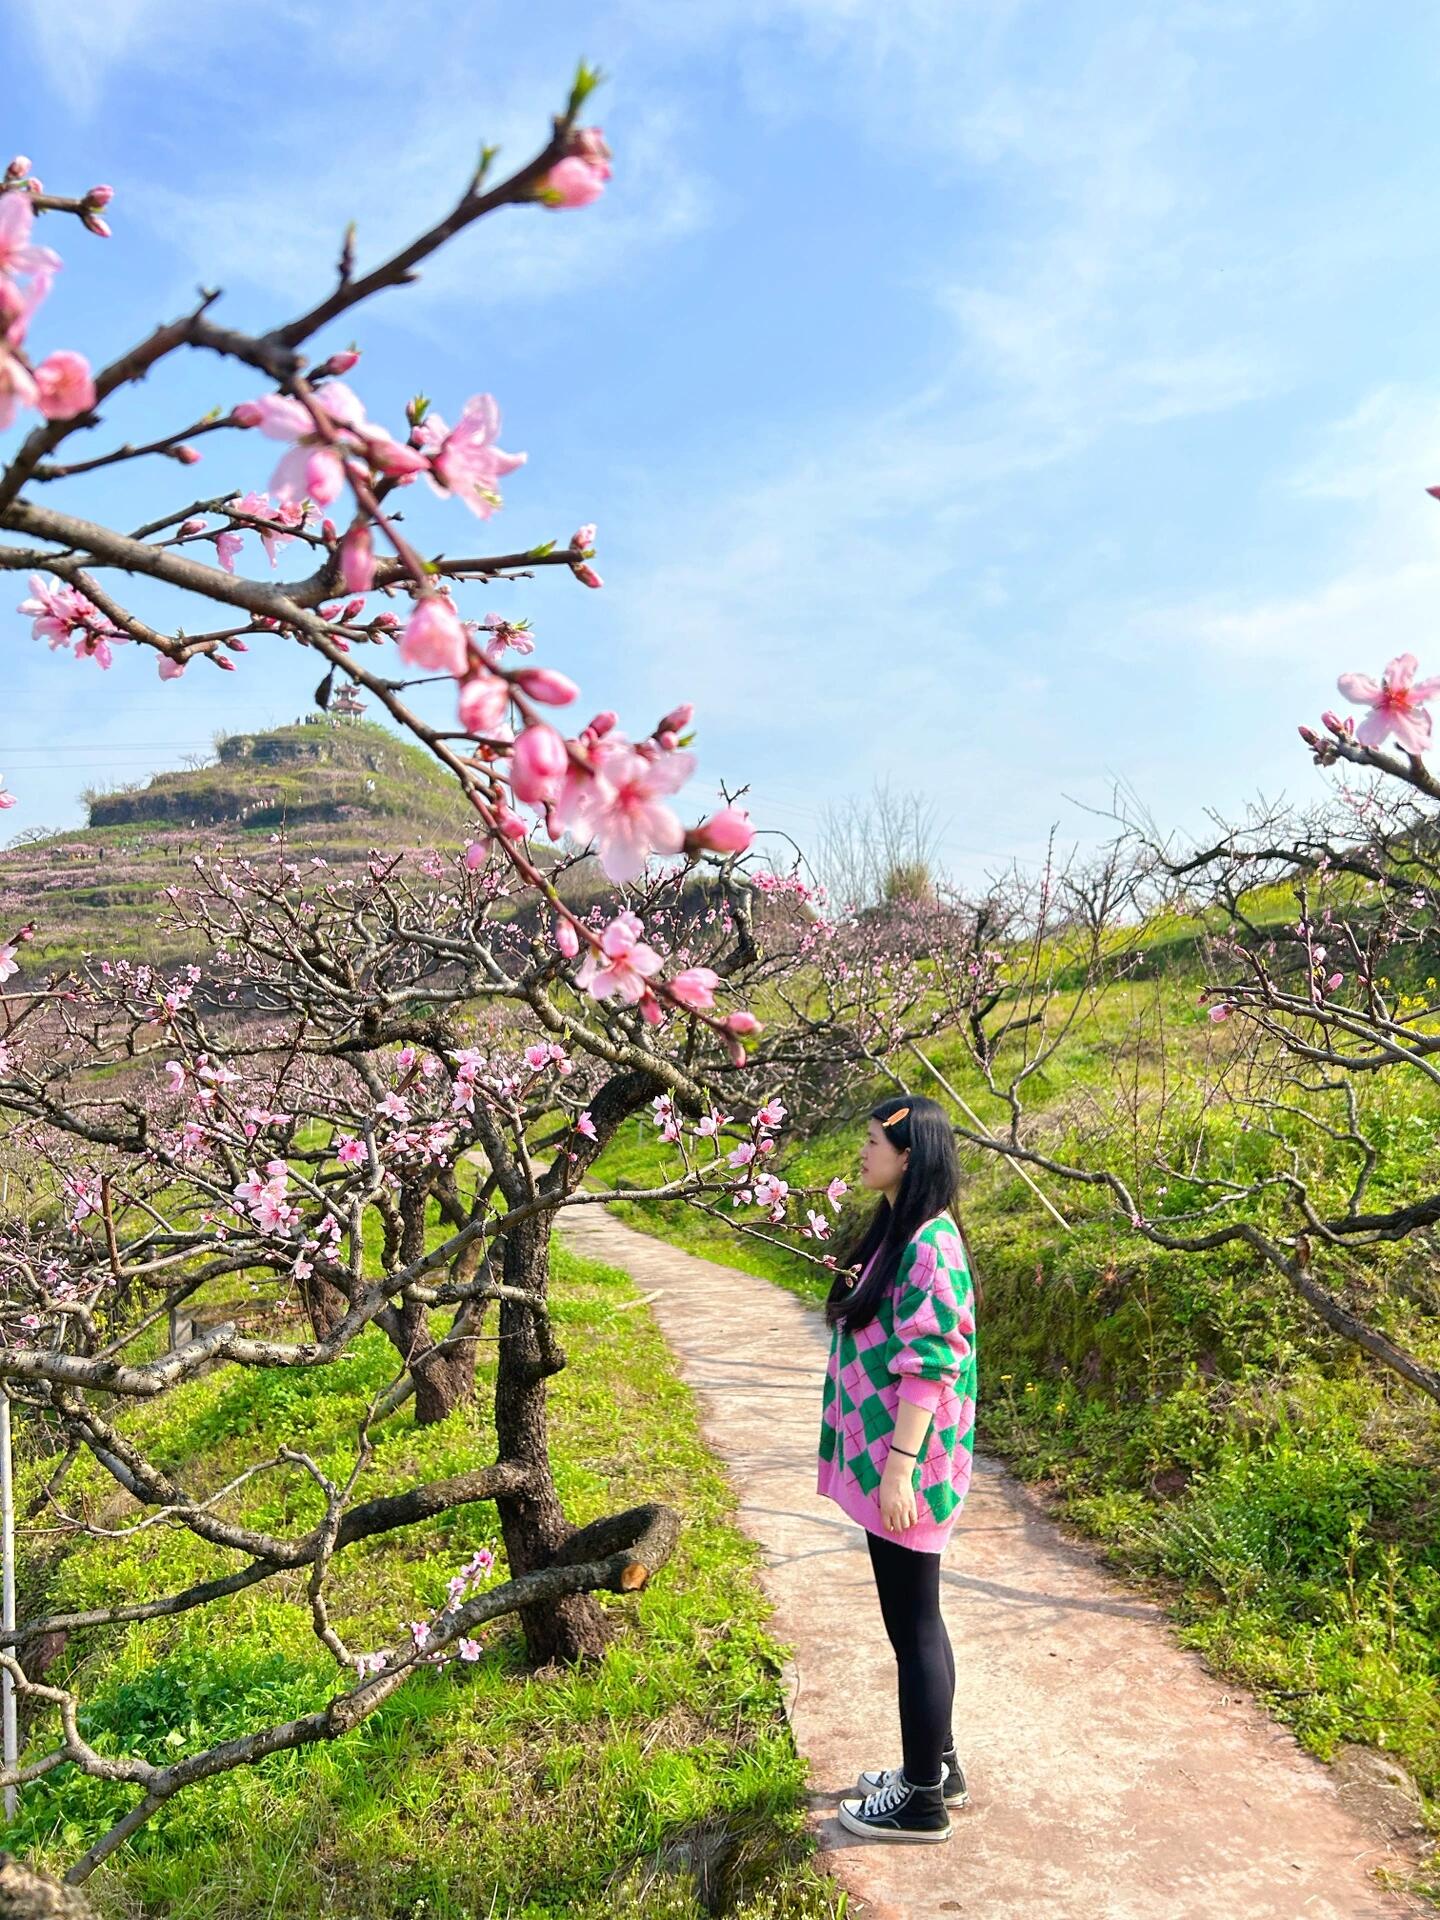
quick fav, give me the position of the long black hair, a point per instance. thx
(932, 1177)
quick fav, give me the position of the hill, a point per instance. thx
(336, 788)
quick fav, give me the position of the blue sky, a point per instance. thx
(1005, 399)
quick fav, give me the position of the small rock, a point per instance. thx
(27, 1895)
(1377, 1788)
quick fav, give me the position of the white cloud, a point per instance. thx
(77, 43)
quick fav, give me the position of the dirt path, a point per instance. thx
(1111, 1776)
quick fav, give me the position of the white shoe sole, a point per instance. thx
(854, 1824)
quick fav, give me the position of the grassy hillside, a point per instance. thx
(329, 791)
(335, 790)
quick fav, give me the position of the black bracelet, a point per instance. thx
(905, 1450)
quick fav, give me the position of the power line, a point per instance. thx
(107, 746)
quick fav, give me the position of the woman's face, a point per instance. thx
(881, 1167)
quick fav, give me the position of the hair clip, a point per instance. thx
(892, 1118)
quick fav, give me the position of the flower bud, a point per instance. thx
(1309, 736)
(351, 609)
(538, 763)
(99, 196)
(651, 1011)
(587, 576)
(741, 1023)
(729, 831)
(510, 824)
(18, 167)
(551, 689)
(588, 143)
(341, 362)
(678, 718)
(95, 223)
(357, 559)
(195, 524)
(573, 182)
(187, 455)
(567, 940)
(247, 414)
(601, 724)
(221, 661)
(583, 538)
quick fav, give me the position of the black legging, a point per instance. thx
(908, 1584)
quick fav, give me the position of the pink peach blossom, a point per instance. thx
(7, 799)
(465, 460)
(274, 518)
(434, 638)
(626, 964)
(1397, 704)
(56, 608)
(567, 940)
(17, 254)
(586, 1126)
(695, 988)
(64, 385)
(619, 807)
(311, 468)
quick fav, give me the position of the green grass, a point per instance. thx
(479, 1790)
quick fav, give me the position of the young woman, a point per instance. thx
(896, 1439)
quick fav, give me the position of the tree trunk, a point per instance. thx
(442, 1379)
(533, 1525)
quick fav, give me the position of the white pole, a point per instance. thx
(971, 1114)
(7, 1594)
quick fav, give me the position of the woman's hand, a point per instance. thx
(897, 1496)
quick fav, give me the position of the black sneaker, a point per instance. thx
(952, 1782)
(898, 1812)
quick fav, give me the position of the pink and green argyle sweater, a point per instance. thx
(920, 1346)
